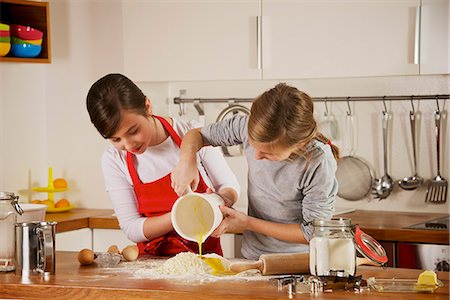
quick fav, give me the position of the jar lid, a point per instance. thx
(369, 247)
(334, 222)
(7, 196)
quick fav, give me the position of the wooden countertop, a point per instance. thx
(381, 225)
(73, 281)
(105, 221)
(390, 226)
(77, 218)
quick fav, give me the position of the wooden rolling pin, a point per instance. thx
(284, 263)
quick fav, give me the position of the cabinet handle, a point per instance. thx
(417, 35)
(259, 41)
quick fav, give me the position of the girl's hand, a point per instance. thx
(183, 176)
(234, 221)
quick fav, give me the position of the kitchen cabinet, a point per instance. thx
(74, 240)
(435, 37)
(190, 40)
(103, 238)
(227, 241)
(31, 13)
(329, 38)
(423, 256)
(288, 39)
(390, 248)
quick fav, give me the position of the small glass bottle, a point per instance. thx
(9, 207)
(332, 251)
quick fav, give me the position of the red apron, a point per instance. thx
(157, 198)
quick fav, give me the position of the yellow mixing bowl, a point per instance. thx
(16, 40)
(4, 26)
(34, 42)
(4, 48)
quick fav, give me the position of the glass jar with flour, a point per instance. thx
(9, 208)
(334, 246)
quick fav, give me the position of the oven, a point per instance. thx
(425, 256)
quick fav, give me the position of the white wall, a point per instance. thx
(86, 44)
(369, 127)
(46, 123)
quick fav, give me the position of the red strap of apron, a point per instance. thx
(130, 161)
(176, 138)
(133, 173)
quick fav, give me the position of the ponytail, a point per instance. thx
(334, 149)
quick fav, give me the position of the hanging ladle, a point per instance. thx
(383, 186)
(413, 182)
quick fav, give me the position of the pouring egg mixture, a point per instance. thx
(201, 230)
(194, 219)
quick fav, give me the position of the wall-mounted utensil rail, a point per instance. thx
(198, 101)
(179, 100)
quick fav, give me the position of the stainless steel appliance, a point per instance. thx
(436, 224)
(423, 256)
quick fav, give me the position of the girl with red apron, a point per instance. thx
(157, 198)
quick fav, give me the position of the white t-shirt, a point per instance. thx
(155, 163)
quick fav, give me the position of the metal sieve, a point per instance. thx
(354, 174)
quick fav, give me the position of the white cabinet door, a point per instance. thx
(74, 240)
(435, 37)
(227, 243)
(338, 38)
(190, 40)
(103, 238)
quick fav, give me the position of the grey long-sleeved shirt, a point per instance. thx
(288, 192)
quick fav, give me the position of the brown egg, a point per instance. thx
(130, 253)
(113, 249)
(86, 257)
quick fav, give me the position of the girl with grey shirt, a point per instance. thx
(291, 171)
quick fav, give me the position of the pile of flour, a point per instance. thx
(188, 265)
(184, 263)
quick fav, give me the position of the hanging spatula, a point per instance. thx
(437, 188)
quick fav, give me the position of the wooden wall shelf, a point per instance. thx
(31, 13)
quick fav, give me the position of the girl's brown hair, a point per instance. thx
(283, 117)
(108, 97)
